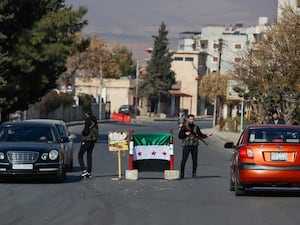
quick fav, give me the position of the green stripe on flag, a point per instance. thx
(151, 139)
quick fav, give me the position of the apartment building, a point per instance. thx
(223, 45)
(185, 95)
(214, 49)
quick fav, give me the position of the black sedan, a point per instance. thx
(64, 133)
(31, 148)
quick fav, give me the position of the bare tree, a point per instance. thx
(213, 85)
(95, 61)
(271, 70)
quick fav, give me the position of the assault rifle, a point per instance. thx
(186, 129)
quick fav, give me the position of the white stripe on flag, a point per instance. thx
(151, 152)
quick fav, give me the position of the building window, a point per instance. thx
(258, 37)
(189, 59)
(204, 44)
(215, 45)
(237, 59)
(237, 46)
(215, 59)
(178, 59)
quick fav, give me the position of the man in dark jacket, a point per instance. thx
(276, 119)
(89, 138)
(190, 135)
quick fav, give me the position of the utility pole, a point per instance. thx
(137, 73)
(220, 53)
(220, 46)
(242, 114)
(100, 94)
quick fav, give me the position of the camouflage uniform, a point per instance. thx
(190, 145)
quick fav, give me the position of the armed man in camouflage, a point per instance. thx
(190, 134)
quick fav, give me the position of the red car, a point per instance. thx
(265, 156)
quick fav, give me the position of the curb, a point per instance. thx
(223, 135)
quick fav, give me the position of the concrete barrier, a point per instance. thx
(131, 175)
(171, 174)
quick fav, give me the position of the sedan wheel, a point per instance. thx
(62, 177)
(231, 185)
(69, 167)
(239, 190)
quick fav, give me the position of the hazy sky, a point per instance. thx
(122, 20)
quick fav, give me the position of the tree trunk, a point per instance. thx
(159, 106)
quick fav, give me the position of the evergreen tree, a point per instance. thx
(39, 35)
(160, 77)
(123, 58)
(3, 53)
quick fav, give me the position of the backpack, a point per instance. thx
(94, 133)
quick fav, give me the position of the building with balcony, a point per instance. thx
(223, 45)
(185, 95)
(214, 49)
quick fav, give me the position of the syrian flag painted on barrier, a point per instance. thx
(151, 151)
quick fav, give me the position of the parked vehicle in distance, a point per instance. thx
(265, 156)
(30, 148)
(129, 110)
(69, 140)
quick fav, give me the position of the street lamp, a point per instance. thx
(236, 91)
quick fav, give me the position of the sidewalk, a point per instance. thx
(224, 135)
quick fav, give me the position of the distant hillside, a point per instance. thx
(136, 44)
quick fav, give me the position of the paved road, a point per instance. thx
(205, 200)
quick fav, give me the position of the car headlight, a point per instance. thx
(1, 156)
(53, 154)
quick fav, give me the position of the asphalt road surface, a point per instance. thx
(151, 200)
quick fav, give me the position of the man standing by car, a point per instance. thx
(190, 135)
(276, 119)
(89, 138)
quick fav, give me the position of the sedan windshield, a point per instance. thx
(27, 134)
(265, 135)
